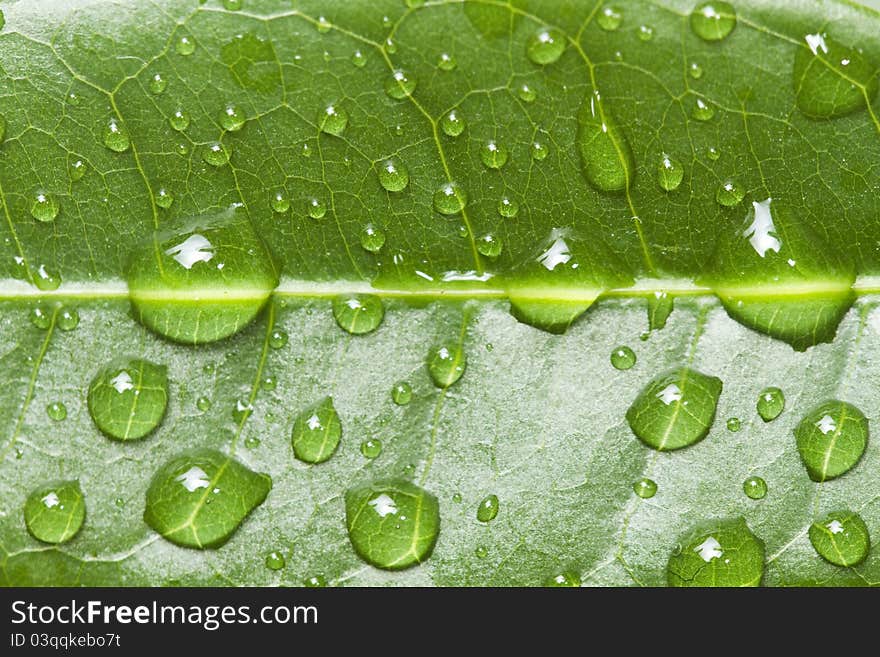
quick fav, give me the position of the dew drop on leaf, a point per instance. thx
(539, 151)
(713, 153)
(493, 154)
(358, 313)
(605, 153)
(232, 118)
(841, 538)
(372, 239)
(116, 137)
(452, 124)
(158, 84)
(323, 25)
(316, 432)
(127, 398)
(565, 579)
(609, 18)
(56, 411)
(401, 393)
(358, 59)
(755, 488)
(68, 318)
(242, 410)
(40, 318)
(526, 93)
(713, 20)
(721, 553)
(481, 552)
(203, 404)
(488, 508)
(734, 424)
(371, 448)
(55, 511)
(450, 198)
(275, 560)
(489, 245)
(164, 198)
(315, 582)
(47, 278)
(771, 403)
(400, 85)
(333, 120)
(660, 306)
(277, 339)
(695, 70)
(44, 207)
(645, 488)
(831, 439)
(729, 194)
(646, 32)
(393, 176)
(546, 46)
(280, 201)
(76, 168)
(316, 208)
(216, 154)
(446, 364)
(623, 358)
(508, 208)
(702, 110)
(185, 46)
(669, 173)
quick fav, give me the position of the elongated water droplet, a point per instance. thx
(722, 553)
(676, 409)
(831, 439)
(490, 246)
(771, 403)
(199, 498)
(546, 46)
(623, 358)
(358, 313)
(605, 152)
(645, 488)
(713, 20)
(450, 198)
(609, 18)
(44, 207)
(446, 364)
(729, 194)
(400, 85)
(452, 124)
(660, 306)
(392, 524)
(393, 176)
(275, 560)
(323, 25)
(232, 119)
(55, 511)
(669, 173)
(566, 579)
(333, 120)
(56, 411)
(401, 393)
(47, 278)
(841, 538)
(372, 239)
(127, 399)
(116, 137)
(755, 488)
(488, 508)
(494, 155)
(316, 432)
(158, 84)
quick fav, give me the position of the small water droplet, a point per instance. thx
(358, 313)
(831, 439)
(277, 339)
(450, 198)
(488, 508)
(452, 124)
(280, 201)
(841, 538)
(371, 448)
(623, 358)
(232, 119)
(316, 208)
(734, 424)
(203, 404)
(158, 84)
(646, 32)
(68, 318)
(400, 85)
(481, 552)
(695, 70)
(755, 488)
(713, 20)
(670, 173)
(771, 403)
(358, 59)
(323, 25)
(446, 364)
(315, 582)
(526, 93)
(493, 154)
(539, 151)
(456, 497)
(252, 442)
(390, 46)
(508, 208)
(216, 154)
(76, 168)
(546, 46)
(116, 137)
(489, 246)
(393, 175)
(372, 238)
(713, 153)
(702, 110)
(609, 18)
(729, 194)
(566, 579)
(44, 207)
(164, 198)
(269, 382)
(185, 46)
(401, 393)
(275, 560)
(316, 432)
(56, 411)
(645, 488)
(40, 318)
(332, 120)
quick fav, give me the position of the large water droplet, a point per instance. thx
(358, 313)
(452, 124)
(734, 424)
(199, 498)
(280, 201)
(488, 508)
(771, 403)
(393, 176)
(713, 20)
(392, 524)
(508, 208)
(446, 364)
(316, 432)
(722, 553)
(203, 281)
(605, 152)
(841, 538)
(400, 85)
(831, 439)
(526, 93)
(755, 488)
(46, 278)
(116, 137)
(623, 358)
(669, 173)
(55, 511)
(127, 399)
(702, 110)
(278, 338)
(546, 46)
(676, 409)
(450, 198)
(68, 318)
(316, 208)
(493, 154)
(333, 120)
(44, 207)
(76, 167)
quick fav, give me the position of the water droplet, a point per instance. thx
(332, 120)
(755, 488)
(456, 497)
(713, 20)
(315, 582)
(623, 358)
(452, 124)
(44, 207)
(76, 168)
(269, 382)
(358, 313)
(277, 339)
(216, 154)
(605, 153)
(358, 59)
(702, 110)
(185, 46)
(393, 176)
(316, 432)
(508, 208)
(450, 198)
(695, 70)
(400, 85)
(199, 498)
(158, 84)
(546, 46)
(56, 411)
(372, 239)
(446, 364)
(182, 149)
(494, 155)
(203, 404)
(676, 409)
(609, 18)
(566, 579)
(830, 79)
(316, 208)
(729, 194)
(490, 246)
(119, 502)
(539, 151)
(831, 439)
(164, 198)
(116, 137)
(242, 410)
(280, 201)
(660, 306)
(40, 318)
(323, 25)
(68, 319)
(771, 403)
(722, 553)
(645, 488)
(734, 424)
(46, 278)
(127, 399)
(526, 93)
(232, 119)
(841, 538)
(669, 173)
(55, 511)
(713, 153)
(488, 508)
(179, 280)
(275, 560)
(392, 524)
(371, 448)
(401, 393)
(646, 32)
(481, 552)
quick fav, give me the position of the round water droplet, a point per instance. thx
(127, 399)
(185, 46)
(713, 20)
(695, 70)
(46, 278)
(392, 524)
(566, 579)
(158, 84)
(546, 46)
(734, 424)
(41, 318)
(457, 498)
(508, 208)
(179, 120)
(669, 173)
(119, 502)
(450, 199)
(713, 153)
(323, 25)
(400, 85)
(371, 448)
(76, 168)
(526, 93)
(358, 313)
(332, 120)
(490, 246)
(269, 382)
(252, 442)
(723, 553)
(216, 154)
(401, 393)
(609, 18)
(277, 339)
(841, 538)
(645, 488)
(275, 560)
(232, 119)
(646, 32)
(446, 364)
(623, 358)
(488, 508)
(203, 404)
(68, 319)
(56, 411)
(393, 176)
(372, 239)
(54, 512)
(446, 62)
(316, 432)
(831, 439)
(315, 582)
(494, 155)
(755, 488)
(771, 403)
(358, 59)
(702, 110)
(182, 149)
(481, 552)
(316, 208)
(539, 151)
(164, 198)
(452, 124)
(280, 201)
(44, 207)
(729, 194)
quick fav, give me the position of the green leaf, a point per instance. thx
(503, 187)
